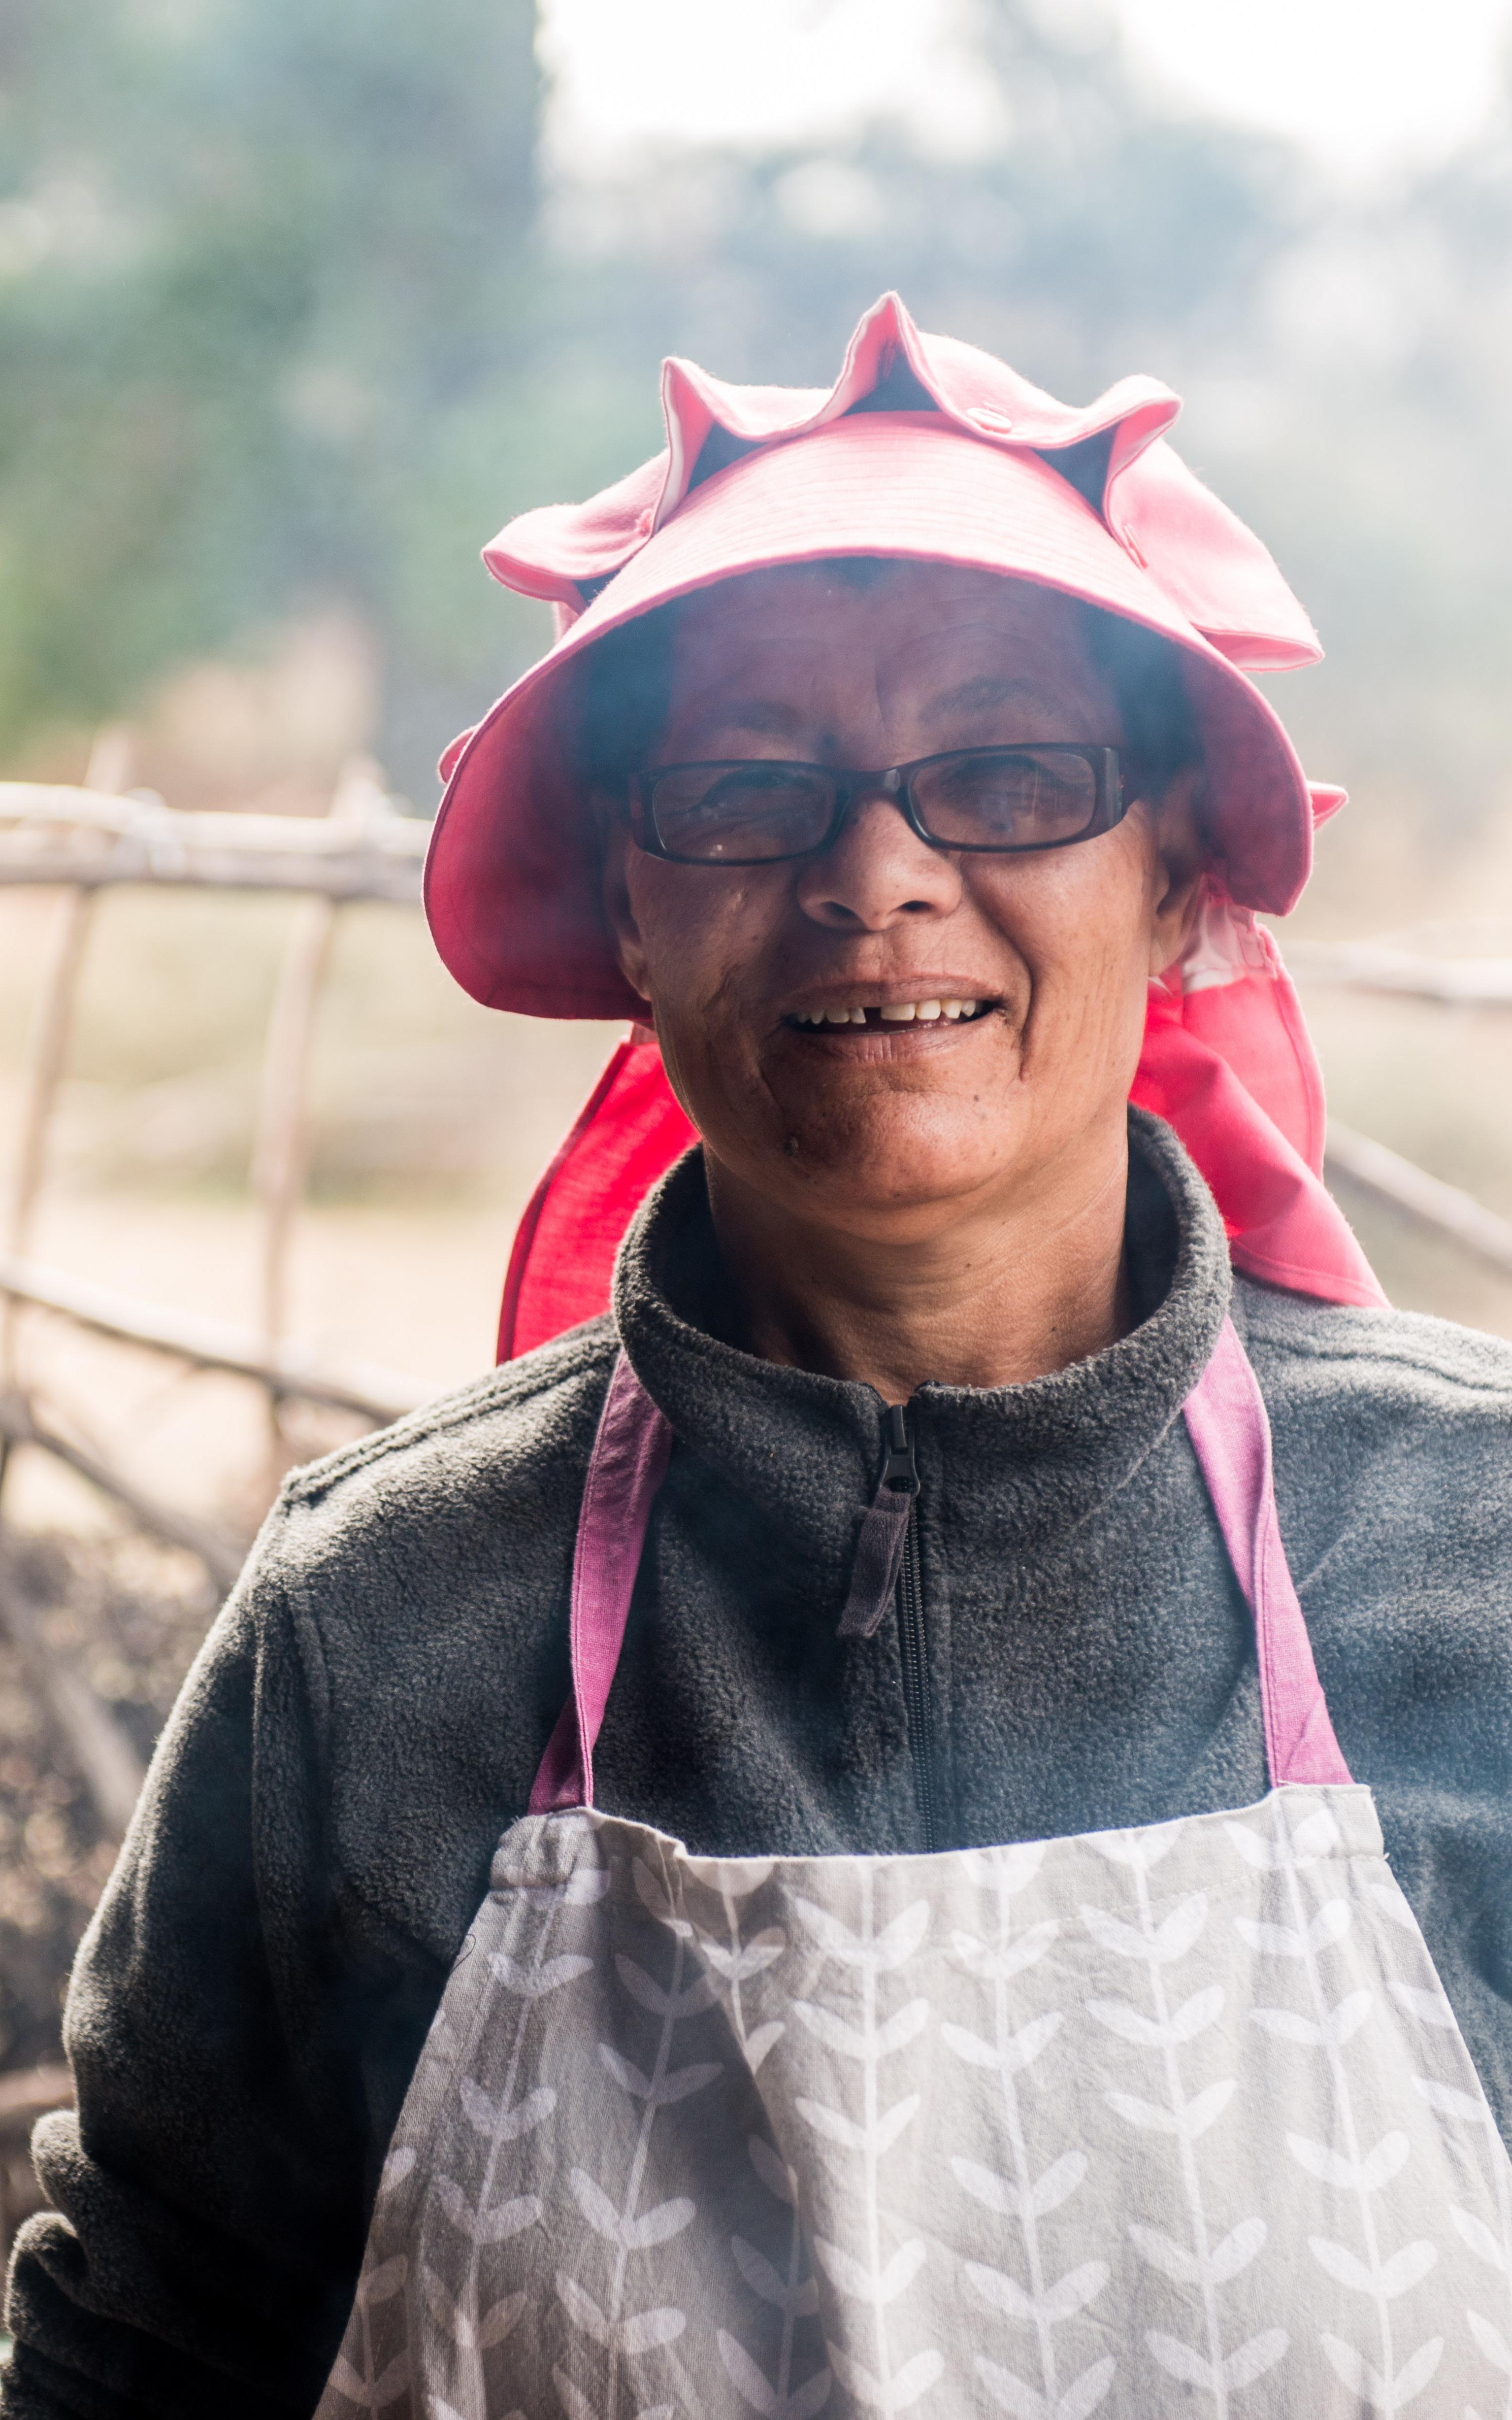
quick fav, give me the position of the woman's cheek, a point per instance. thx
(1087, 1016)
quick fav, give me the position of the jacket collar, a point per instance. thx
(1011, 1468)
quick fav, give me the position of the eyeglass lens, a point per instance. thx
(1008, 798)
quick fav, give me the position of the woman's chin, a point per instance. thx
(904, 1170)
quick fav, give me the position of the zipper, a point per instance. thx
(903, 1471)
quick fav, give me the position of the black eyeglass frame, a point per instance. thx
(1110, 804)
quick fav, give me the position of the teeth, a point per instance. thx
(897, 1011)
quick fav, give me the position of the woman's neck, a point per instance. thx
(999, 1294)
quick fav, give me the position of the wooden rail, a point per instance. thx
(1387, 970)
(1440, 1209)
(221, 1556)
(1376, 967)
(365, 1387)
(365, 848)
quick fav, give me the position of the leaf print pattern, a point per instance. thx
(1008, 2054)
(623, 2226)
(738, 1961)
(864, 2038)
(469, 2331)
(370, 2388)
(480, 2220)
(1358, 2172)
(371, 2394)
(1464, 2108)
(792, 2294)
(815, 2139)
(1166, 2030)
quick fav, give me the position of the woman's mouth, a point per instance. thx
(879, 1015)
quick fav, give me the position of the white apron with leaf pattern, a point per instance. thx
(1171, 2120)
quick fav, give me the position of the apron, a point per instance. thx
(1142, 2122)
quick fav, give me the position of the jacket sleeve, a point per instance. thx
(207, 2196)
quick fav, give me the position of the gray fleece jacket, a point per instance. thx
(368, 1713)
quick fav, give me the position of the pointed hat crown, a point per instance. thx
(1213, 570)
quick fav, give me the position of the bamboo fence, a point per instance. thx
(79, 842)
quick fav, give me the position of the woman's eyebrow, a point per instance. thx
(988, 689)
(757, 714)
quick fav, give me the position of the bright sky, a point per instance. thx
(1364, 84)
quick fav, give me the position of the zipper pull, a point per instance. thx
(879, 1545)
(900, 1469)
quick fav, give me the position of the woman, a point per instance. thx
(984, 1989)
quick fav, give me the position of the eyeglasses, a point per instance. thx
(993, 800)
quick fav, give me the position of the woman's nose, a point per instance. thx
(878, 871)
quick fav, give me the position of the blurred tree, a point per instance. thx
(277, 331)
(258, 262)
(1380, 366)
(1096, 232)
(1345, 357)
(285, 321)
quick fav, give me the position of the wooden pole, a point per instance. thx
(46, 1048)
(281, 1153)
(52, 1021)
(281, 1156)
(47, 1044)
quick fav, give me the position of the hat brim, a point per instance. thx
(512, 882)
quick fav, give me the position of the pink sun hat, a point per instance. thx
(924, 448)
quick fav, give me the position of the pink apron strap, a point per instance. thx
(627, 1468)
(1231, 1435)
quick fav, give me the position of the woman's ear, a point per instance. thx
(615, 892)
(1180, 860)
